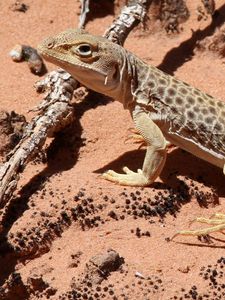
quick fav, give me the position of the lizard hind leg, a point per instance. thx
(217, 220)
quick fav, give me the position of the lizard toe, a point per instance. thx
(130, 178)
(127, 170)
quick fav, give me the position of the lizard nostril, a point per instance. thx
(50, 44)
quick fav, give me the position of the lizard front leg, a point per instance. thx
(155, 154)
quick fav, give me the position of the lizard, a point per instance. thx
(165, 110)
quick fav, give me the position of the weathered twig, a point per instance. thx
(84, 11)
(131, 15)
(34, 60)
(55, 112)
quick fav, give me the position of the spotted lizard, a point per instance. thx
(164, 109)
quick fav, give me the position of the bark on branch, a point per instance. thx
(55, 112)
(131, 15)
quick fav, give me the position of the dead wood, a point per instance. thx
(131, 15)
(55, 111)
(84, 11)
(30, 55)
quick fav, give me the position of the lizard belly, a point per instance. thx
(198, 150)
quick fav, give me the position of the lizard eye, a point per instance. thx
(84, 50)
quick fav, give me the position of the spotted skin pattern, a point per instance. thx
(190, 112)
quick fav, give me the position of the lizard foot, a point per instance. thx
(218, 220)
(130, 178)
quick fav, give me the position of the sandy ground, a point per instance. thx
(64, 213)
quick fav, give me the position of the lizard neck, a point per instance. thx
(130, 69)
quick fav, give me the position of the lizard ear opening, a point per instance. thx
(50, 44)
(116, 73)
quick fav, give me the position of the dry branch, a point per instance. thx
(84, 11)
(131, 15)
(55, 111)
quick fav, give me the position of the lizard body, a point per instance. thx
(165, 110)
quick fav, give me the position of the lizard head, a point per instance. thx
(93, 60)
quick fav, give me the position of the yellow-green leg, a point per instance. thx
(155, 156)
(218, 220)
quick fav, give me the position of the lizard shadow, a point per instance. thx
(214, 246)
(179, 162)
(185, 51)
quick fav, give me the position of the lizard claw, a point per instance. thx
(129, 178)
(136, 137)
